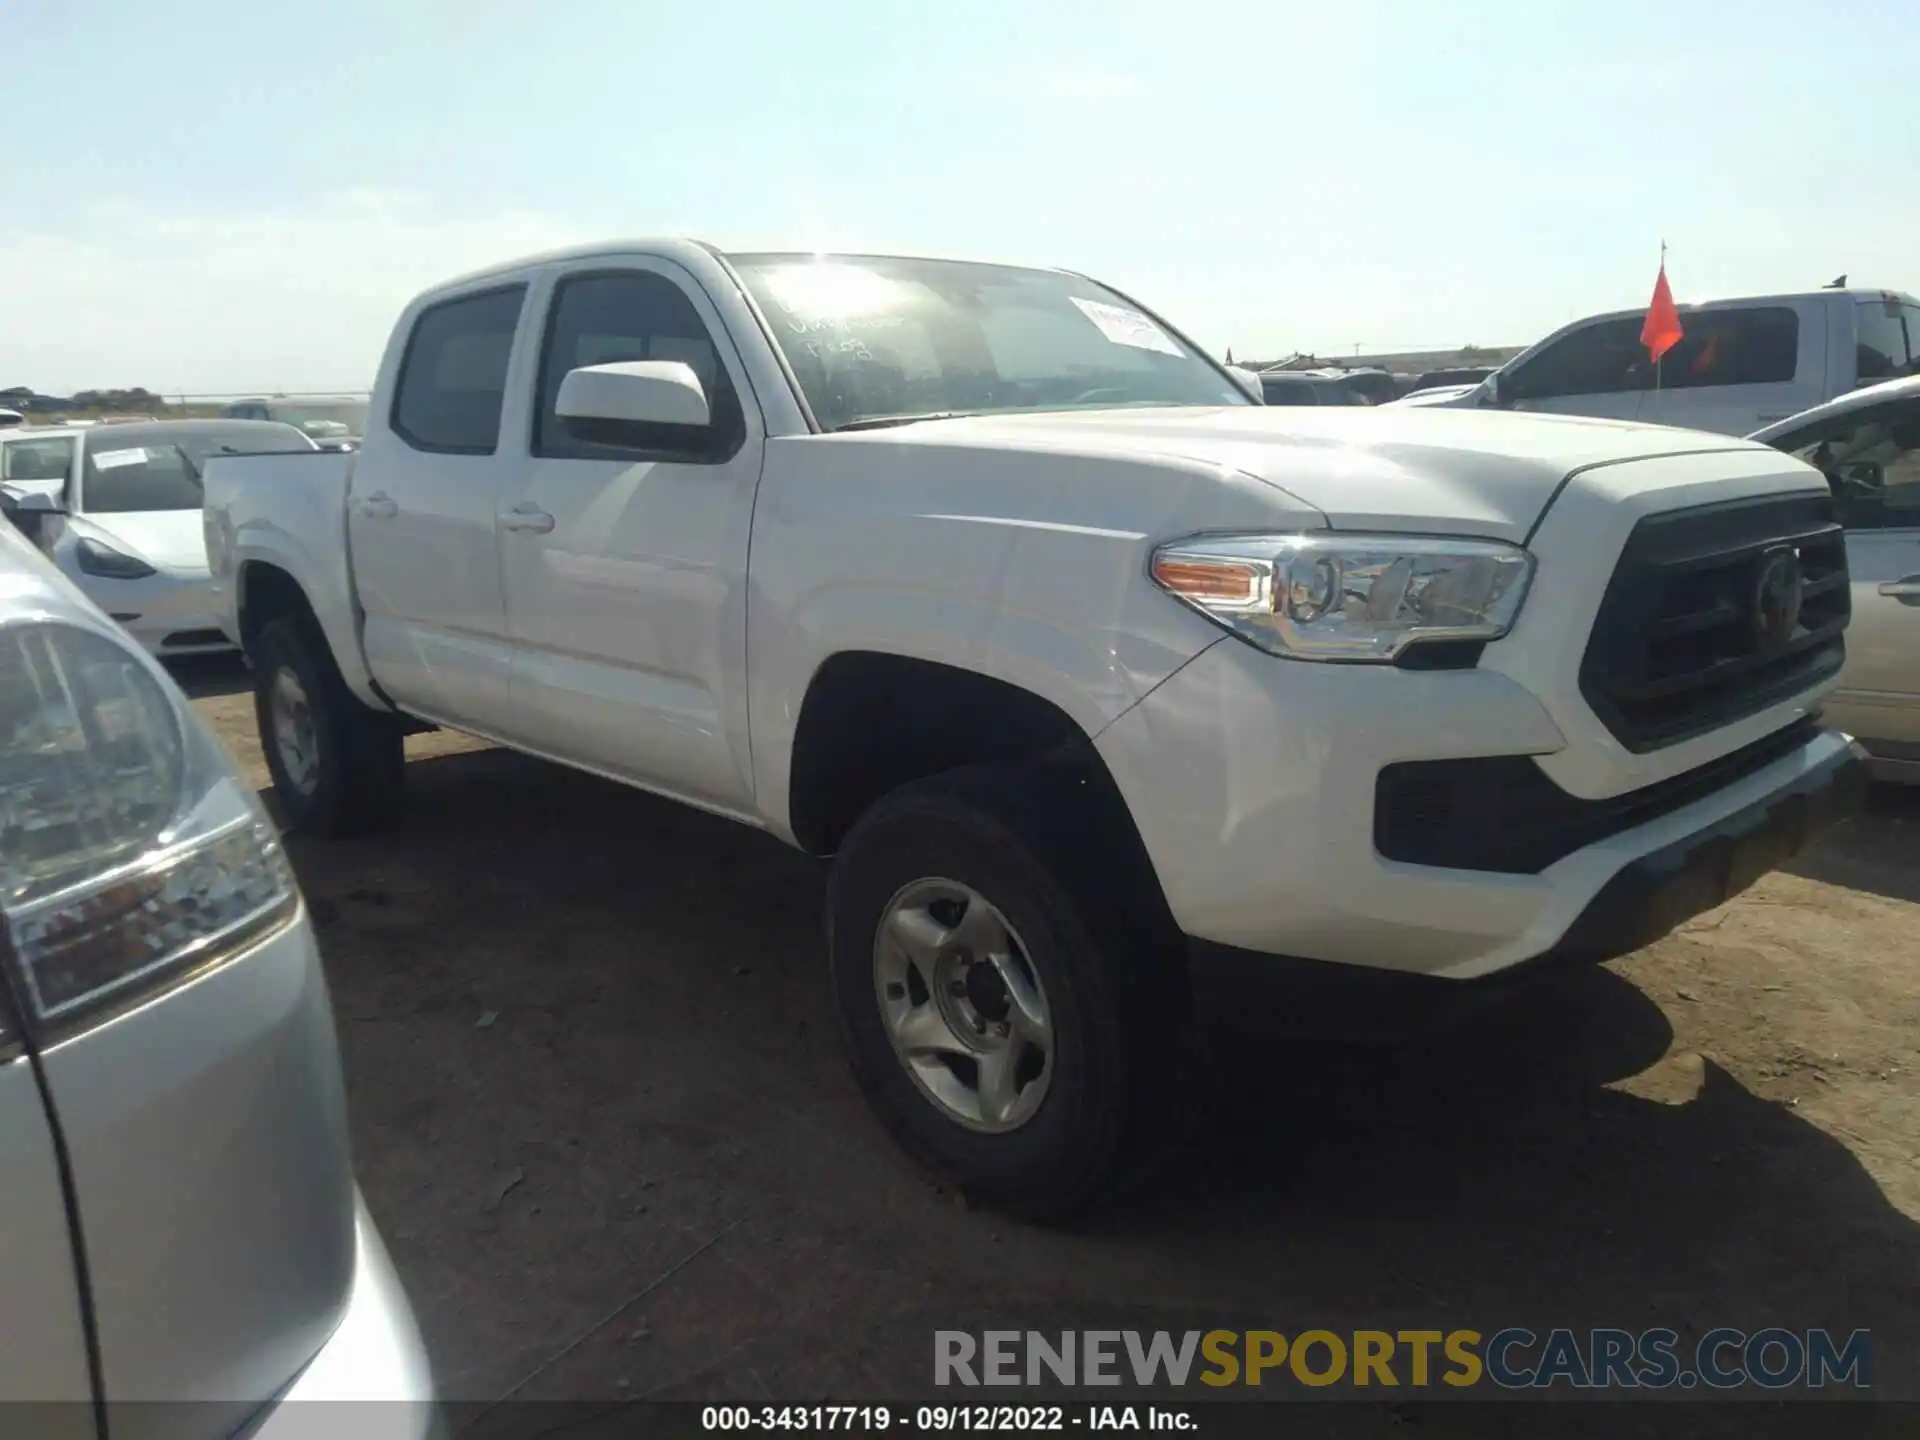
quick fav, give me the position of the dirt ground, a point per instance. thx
(594, 1074)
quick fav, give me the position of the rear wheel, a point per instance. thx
(337, 764)
(1003, 1015)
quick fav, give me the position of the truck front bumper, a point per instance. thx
(1643, 901)
(1253, 783)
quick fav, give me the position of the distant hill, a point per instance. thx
(83, 403)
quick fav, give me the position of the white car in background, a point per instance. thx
(333, 422)
(117, 507)
(1868, 445)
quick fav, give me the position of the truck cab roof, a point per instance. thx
(1858, 294)
(693, 252)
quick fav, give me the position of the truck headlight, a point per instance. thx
(132, 854)
(1354, 598)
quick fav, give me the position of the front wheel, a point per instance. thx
(336, 764)
(986, 1004)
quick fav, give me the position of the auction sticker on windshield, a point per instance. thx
(114, 459)
(1126, 327)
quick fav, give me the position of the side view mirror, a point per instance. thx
(29, 510)
(1491, 392)
(598, 402)
(1249, 382)
(19, 500)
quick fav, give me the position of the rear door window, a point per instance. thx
(1755, 346)
(453, 379)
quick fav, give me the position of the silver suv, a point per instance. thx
(179, 1215)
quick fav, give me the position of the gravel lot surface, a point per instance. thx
(592, 1066)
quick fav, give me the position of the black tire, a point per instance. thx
(1019, 837)
(359, 751)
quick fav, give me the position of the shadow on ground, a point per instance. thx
(206, 676)
(1879, 851)
(596, 1082)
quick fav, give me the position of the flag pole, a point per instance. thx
(1659, 359)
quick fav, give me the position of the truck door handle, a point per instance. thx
(379, 506)
(1906, 589)
(526, 516)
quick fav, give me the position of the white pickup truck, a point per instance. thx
(1742, 363)
(1117, 699)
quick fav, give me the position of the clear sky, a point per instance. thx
(204, 197)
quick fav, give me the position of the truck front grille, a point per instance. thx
(1715, 613)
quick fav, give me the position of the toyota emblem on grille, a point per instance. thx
(1776, 598)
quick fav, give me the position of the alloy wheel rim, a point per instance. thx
(963, 1005)
(294, 735)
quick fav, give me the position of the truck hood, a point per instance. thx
(1413, 469)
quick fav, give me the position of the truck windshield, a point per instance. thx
(876, 341)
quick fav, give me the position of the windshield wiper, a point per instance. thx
(887, 422)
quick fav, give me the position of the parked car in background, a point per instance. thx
(1309, 387)
(1114, 695)
(179, 1213)
(118, 507)
(1868, 445)
(1744, 363)
(332, 423)
(1463, 376)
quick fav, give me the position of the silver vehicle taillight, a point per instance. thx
(132, 854)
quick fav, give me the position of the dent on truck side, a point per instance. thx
(1025, 566)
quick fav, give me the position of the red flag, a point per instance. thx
(1662, 331)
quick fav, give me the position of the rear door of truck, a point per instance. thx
(1739, 367)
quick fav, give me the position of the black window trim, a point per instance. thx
(407, 438)
(629, 454)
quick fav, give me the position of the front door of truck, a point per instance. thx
(422, 513)
(626, 556)
(1738, 368)
(1587, 370)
